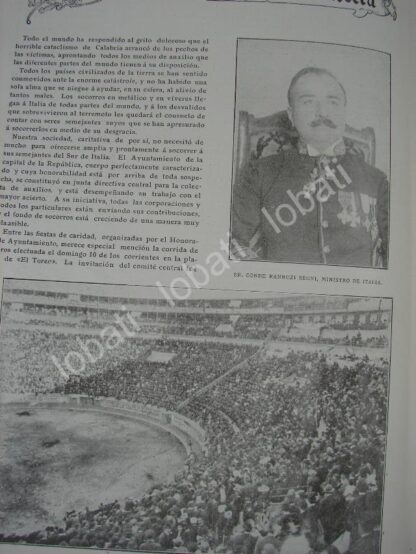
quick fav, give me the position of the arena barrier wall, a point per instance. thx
(186, 431)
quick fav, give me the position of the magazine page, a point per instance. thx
(205, 275)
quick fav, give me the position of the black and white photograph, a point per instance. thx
(227, 422)
(311, 167)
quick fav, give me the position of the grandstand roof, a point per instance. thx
(113, 297)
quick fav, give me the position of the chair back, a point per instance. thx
(258, 137)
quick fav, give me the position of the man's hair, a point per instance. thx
(311, 71)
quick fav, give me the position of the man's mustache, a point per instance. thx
(323, 121)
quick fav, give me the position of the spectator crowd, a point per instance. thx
(293, 461)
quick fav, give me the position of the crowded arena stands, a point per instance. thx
(293, 460)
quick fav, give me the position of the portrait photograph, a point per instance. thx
(311, 168)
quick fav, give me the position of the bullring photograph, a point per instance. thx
(232, 422)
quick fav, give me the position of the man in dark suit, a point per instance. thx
(318, 202)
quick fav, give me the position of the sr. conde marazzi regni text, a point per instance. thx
(301, 277)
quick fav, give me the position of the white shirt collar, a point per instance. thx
(330, 151)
